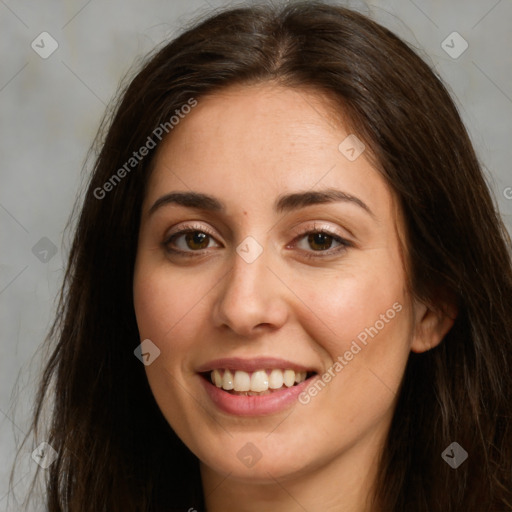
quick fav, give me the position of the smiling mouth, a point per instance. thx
(258, 383)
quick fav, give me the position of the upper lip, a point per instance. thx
(252, 365)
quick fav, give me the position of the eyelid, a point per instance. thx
(190, 227)
(322, 228)
(303, 230)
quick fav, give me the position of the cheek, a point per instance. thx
(347, 307)
(167, 310)
(361, 320)
(165, 303)
(365, 352)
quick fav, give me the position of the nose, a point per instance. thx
(251, 299)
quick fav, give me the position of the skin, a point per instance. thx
(246, 146)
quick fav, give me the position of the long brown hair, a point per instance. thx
(115, 450)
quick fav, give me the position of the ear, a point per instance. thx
(431, 325)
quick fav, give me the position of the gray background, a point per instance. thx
(51, 108)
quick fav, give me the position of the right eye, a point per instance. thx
(189, 240)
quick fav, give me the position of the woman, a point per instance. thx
(289, 286)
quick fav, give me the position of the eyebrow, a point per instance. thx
(284, 203)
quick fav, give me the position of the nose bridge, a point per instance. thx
(250, 267)
(249, 297)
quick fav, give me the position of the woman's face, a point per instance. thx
(291, 264)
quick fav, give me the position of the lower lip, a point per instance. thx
(254, 405)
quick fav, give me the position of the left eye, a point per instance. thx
(320, 241)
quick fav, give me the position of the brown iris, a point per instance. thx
(319, 241)
(196, 240)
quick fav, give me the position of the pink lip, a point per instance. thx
(253, 405)
(251, 365)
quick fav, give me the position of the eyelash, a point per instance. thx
(344, 244)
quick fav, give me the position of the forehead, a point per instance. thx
(258, 117)
(253, 143)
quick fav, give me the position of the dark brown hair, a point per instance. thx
(115, 450)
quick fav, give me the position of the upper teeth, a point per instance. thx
(260, 380)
